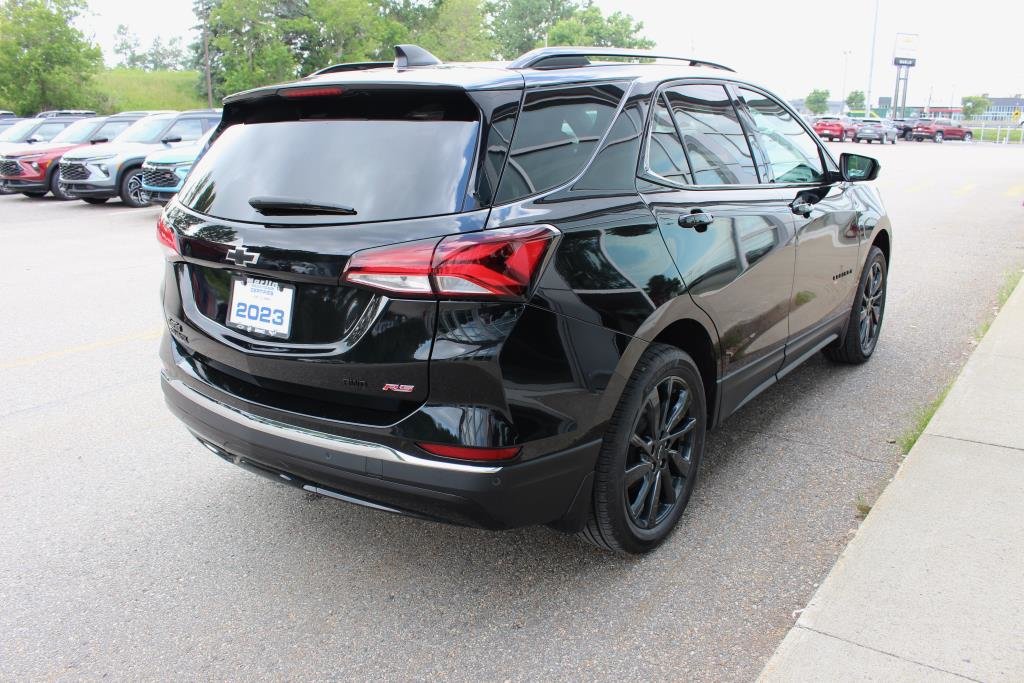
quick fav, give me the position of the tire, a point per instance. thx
(34, 195)
(861, 337)
(908, 136)
(625, 517)
(131, 192)
(968, 137)
(938, 138)
(55, 188)
(842, 137)
(95, 200)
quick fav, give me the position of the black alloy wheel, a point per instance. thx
(660, 457)
(58, 189)
(648, 463)
(872, 301)
(132, 193)
(865, 323)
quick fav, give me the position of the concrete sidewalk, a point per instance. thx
(932, 585)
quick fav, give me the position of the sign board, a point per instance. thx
(904, 53)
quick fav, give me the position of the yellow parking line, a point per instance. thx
(966, 189)
(147, 335)
(1015, 191)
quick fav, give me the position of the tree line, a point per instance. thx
(48, 63)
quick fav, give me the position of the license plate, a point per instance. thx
(261, 306)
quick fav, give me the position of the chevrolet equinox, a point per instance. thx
(511, 293)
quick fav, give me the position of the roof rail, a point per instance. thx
(349, 66)
(567, 57)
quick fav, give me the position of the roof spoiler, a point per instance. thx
(567, 57)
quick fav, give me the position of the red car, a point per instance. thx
(32, 169)
(840, 128)
(938, 130)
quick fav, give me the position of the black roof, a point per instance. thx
(542, 67)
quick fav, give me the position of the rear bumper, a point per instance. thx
(550, 488)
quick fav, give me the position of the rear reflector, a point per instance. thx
(165, 235)
(293, 93)
(469, 453)
(503, 263)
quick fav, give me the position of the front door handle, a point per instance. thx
(697, 219)
(801, 208)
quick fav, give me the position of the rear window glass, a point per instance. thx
(388, 156)
(557, 134)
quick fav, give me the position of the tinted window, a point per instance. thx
(713, 139)
(665, 151)
(614, 167)
(557, 134)
(188, 129)
(388, 156)
(793, 155)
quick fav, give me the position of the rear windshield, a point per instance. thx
(388, 156)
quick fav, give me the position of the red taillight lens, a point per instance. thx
(327, 91)
(502, 263)
(470, 453)
(165, 235)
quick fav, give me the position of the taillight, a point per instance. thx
(165, 235)
(503, 263)
(469, 452)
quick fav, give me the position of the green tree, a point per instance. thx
(249, 40)
(975, 105)
(45, 62)
(589, 27)
(333, 31)
(521, 25)
(817, 101)
(127, 48)
(458, 32)
(167, 56)
(855, 100)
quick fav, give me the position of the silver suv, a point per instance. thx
(100, 172)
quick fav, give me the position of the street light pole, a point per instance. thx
(871, 65)
(842, 97)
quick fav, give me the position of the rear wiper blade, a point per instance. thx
(287, 206)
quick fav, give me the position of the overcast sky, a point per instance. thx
(790, 46)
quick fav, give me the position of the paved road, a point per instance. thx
(128, 551)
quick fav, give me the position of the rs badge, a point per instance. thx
(400, 388)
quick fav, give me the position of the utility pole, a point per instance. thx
(206, 59)
(871, 64)
(842, 96)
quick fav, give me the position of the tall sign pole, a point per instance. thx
(871, 65)
(904, 56)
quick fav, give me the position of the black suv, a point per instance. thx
(509, 294)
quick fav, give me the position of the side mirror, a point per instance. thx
(171, 138)
(96, 141)
(33, 140)
(856, 168)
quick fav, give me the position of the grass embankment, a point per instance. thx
(128, 89)
(924, 415)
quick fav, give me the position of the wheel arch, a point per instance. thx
(125, 168)
(691, 337)
(883, 242)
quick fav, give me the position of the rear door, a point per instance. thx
(403, 163)
(738, 267)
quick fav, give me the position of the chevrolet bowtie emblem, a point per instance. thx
(241, 256)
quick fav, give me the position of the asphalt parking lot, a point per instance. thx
(129, 551)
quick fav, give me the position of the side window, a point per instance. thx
(48, 131)
(713, 139)
(188, 129)
(665, 155)
(557, 134)
(793, 155)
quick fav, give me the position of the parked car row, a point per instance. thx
(843, 128)
(77, 155)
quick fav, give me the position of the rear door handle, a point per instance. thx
(698, 220)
